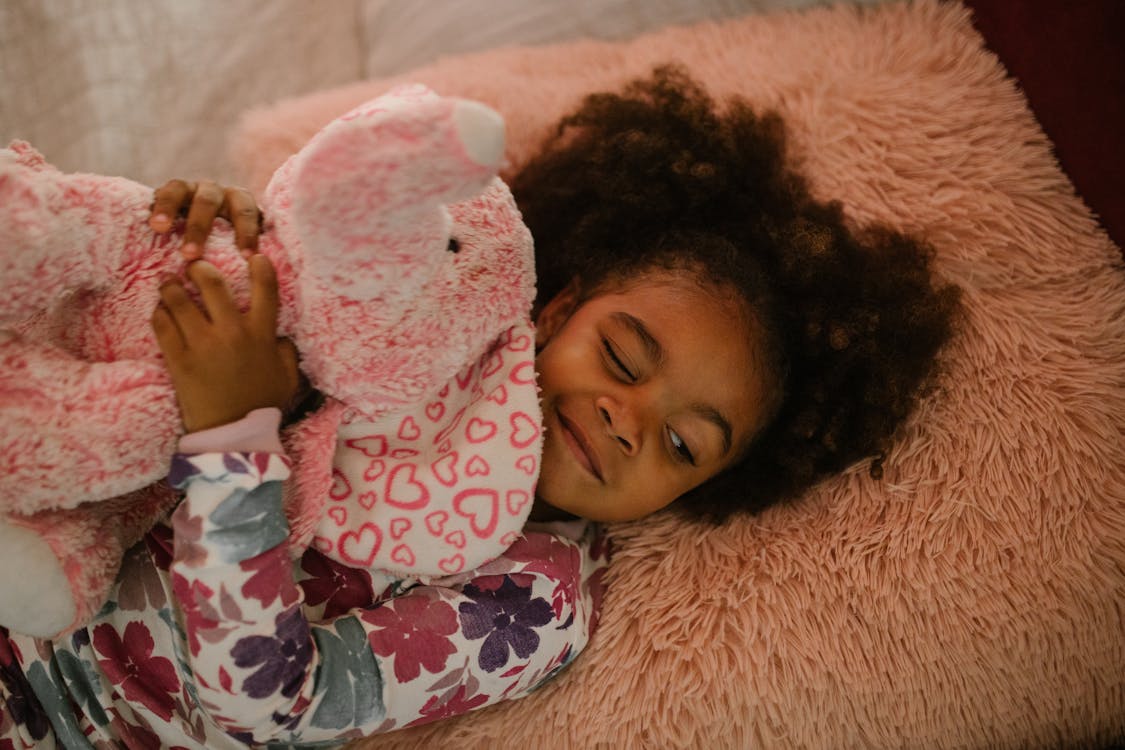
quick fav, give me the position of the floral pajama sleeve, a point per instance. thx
(250, 648)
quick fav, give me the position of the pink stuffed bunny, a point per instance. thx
(406, 281)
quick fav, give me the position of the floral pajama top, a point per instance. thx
(214, 638)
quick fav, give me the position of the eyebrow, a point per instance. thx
(656, 353)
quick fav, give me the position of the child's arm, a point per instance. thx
(262, 670)
(265, 672)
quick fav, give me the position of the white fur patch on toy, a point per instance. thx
(36, 598)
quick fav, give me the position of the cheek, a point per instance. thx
(559, 366)
(654, 487)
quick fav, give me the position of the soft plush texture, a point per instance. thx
(406, 281)
(972, 598)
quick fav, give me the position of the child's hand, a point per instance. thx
(223, 363)
(204, 202)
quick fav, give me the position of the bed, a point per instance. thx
(974, 596)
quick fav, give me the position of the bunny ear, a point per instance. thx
(368, 192)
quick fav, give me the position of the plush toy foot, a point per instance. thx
(35, 596)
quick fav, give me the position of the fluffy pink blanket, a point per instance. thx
(971, 598)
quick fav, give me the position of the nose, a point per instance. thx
(622, 423)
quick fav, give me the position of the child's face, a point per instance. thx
(648, 389)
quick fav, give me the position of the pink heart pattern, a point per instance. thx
(449, 480)
(480, 430)
(408, 429)
(445, 469)
(374, 470)
(480, 506)
(403, 555)
(400, 526)
(435, 522)
(372, 446)
(477, 467)
(404, 490)
(527, 464)
(360, 547)
(452, 565)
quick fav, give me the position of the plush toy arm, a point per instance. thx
(72, 431)
(368, 192)
(59, 232)
(57, 566)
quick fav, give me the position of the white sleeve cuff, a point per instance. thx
(256, 432)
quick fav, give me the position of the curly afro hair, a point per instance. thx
(849, 322)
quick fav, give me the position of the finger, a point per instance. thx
(240, 207)
(169, 337)
(218, 301)
(205, 206)
(167, 200)
(183, 312)
(288, 351)
(264, 297)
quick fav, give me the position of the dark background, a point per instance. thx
(1069, 59)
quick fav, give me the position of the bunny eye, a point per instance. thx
(454, 245)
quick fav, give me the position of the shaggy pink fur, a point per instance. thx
(973, 597)
(403, 337)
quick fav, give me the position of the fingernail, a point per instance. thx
(160, 222)
(168, 278)
(190, 251)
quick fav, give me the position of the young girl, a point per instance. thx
(708, 338)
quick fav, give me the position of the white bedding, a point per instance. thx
(149, 88)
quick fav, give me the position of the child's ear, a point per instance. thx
(553, 314)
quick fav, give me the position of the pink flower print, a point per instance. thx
(546, 554)
(133, 735)
(271, 579)
(455, 705)
(340, 588)
(130, 664)
(414, 630)
(198, 612)
(554, 559)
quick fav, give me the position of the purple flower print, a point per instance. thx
(505, 618)
(181, 470)
(22, 707)
(283, 657)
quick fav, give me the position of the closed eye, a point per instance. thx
(616, 363)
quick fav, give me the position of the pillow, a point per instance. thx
(973, 596)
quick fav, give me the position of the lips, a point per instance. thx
(579, 444)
